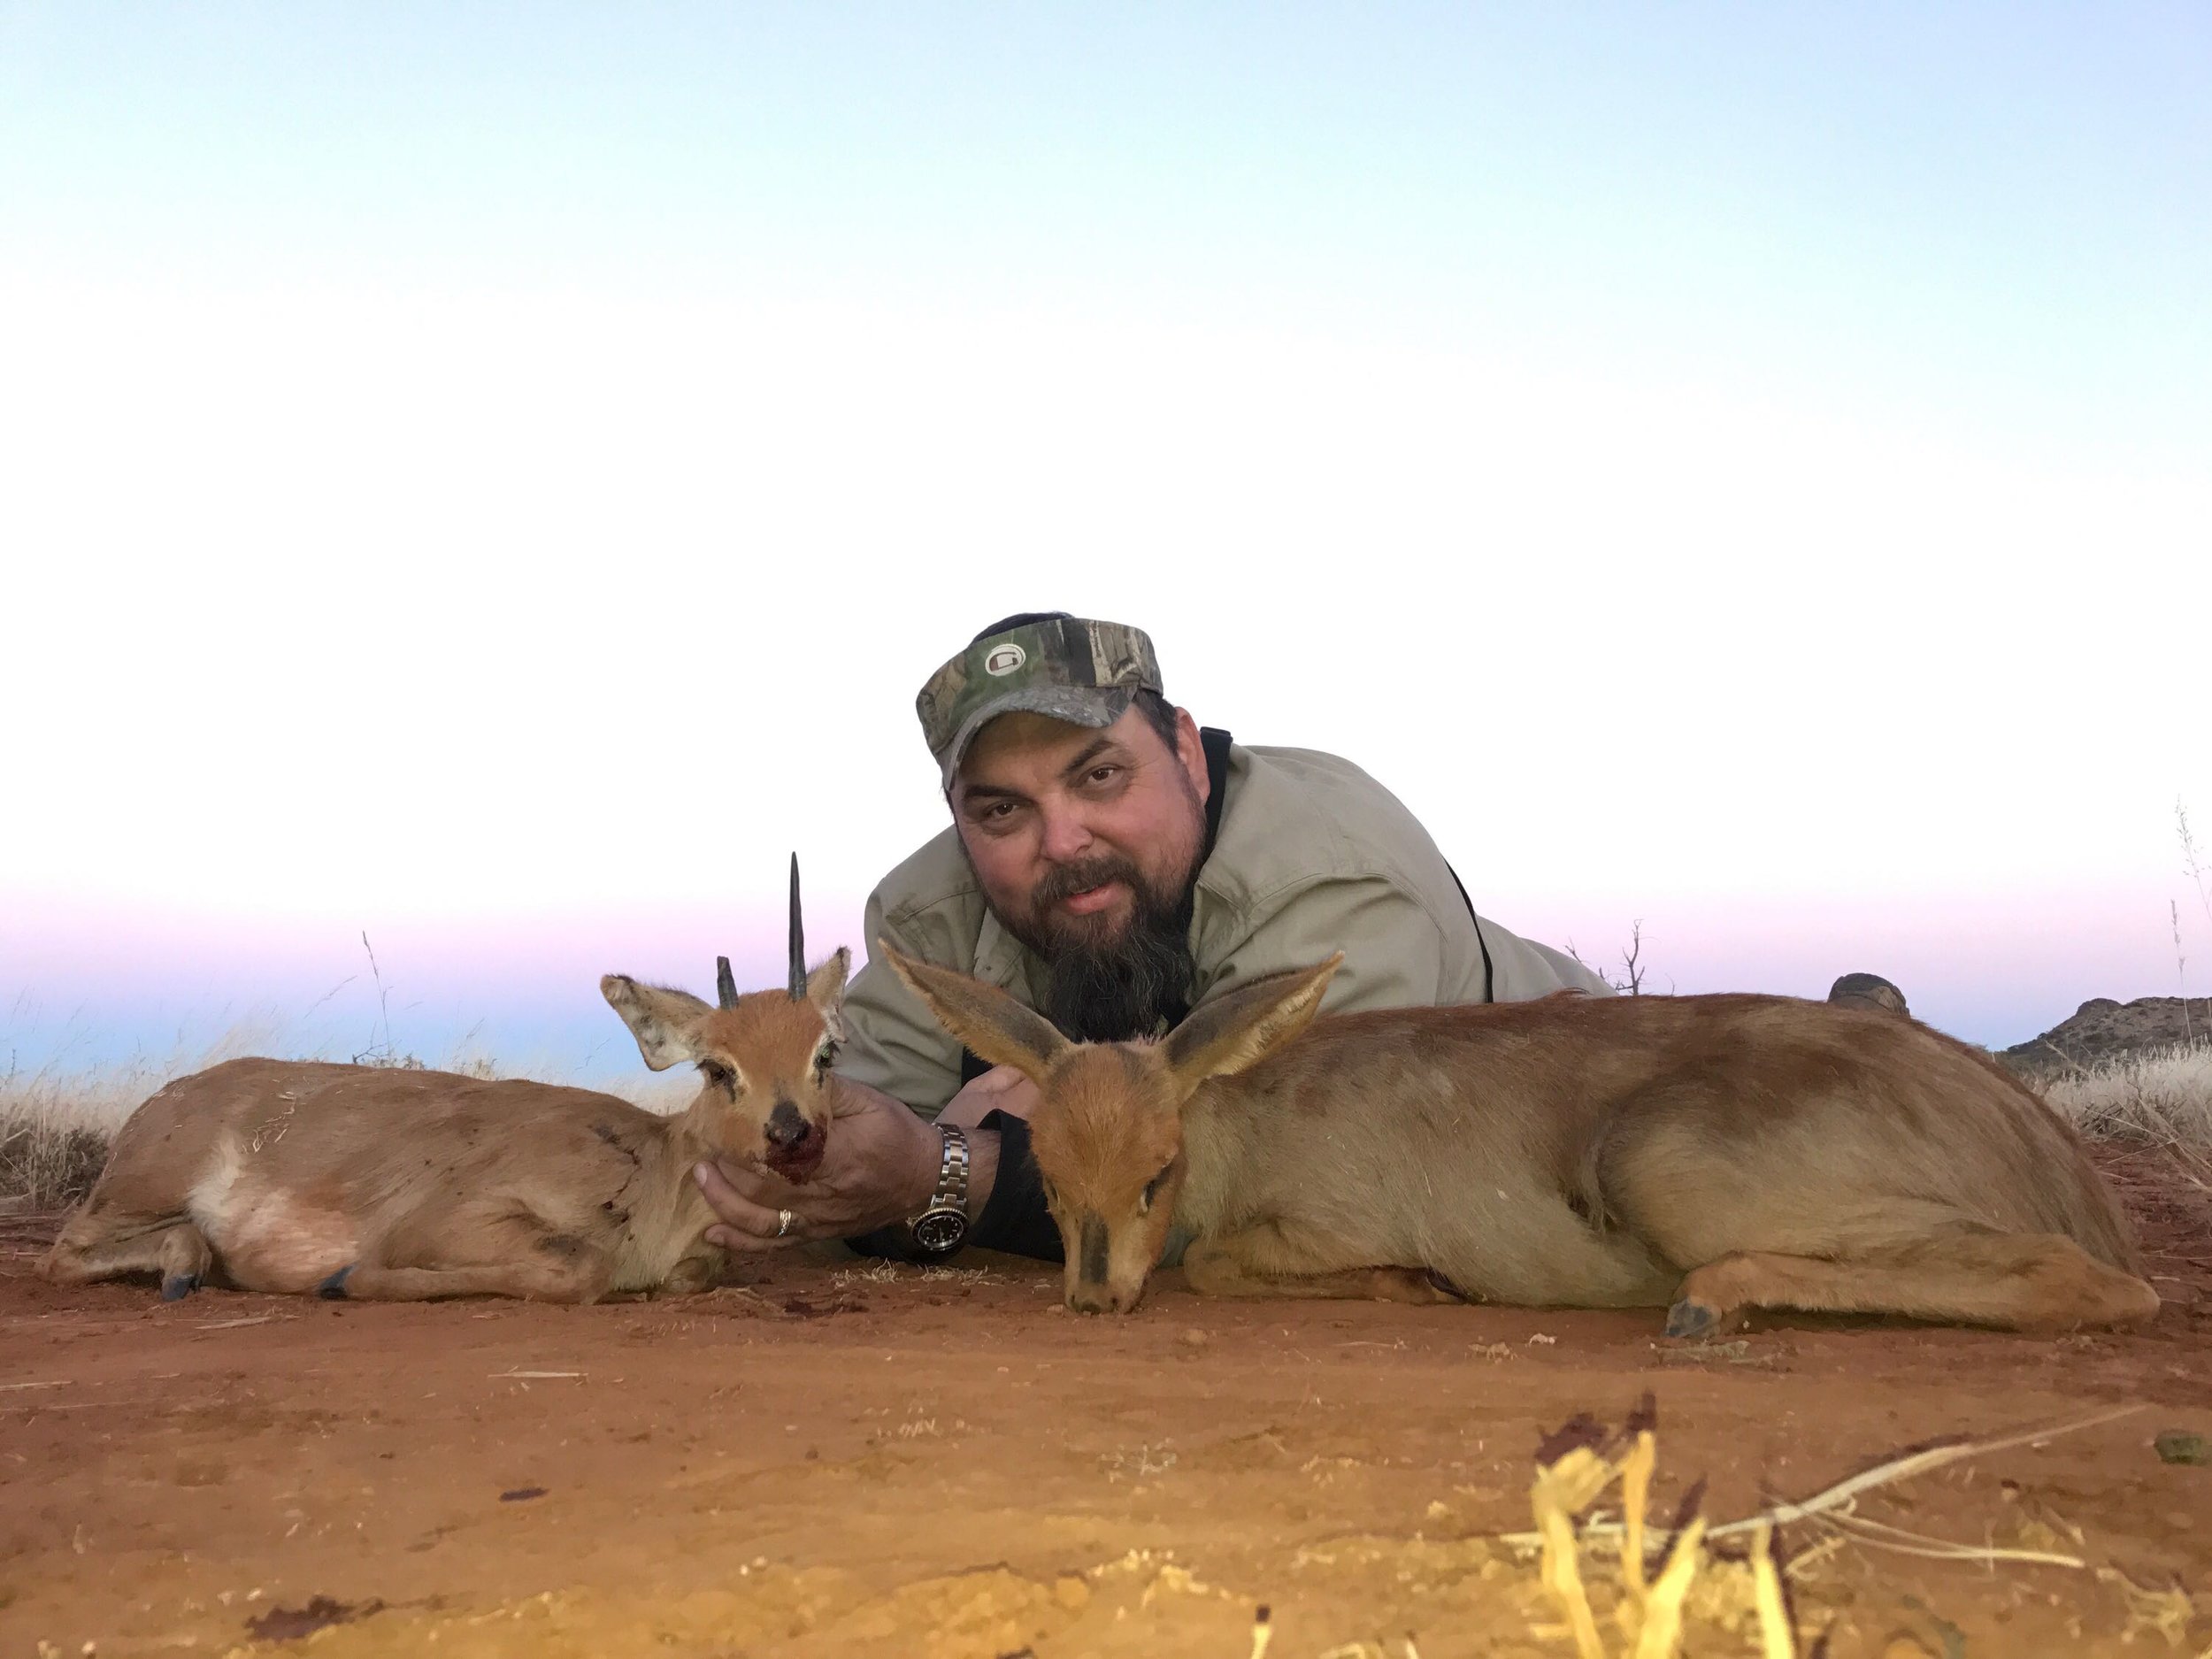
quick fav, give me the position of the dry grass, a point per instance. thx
(45, 1164)
(1742, 1594)
(2163, 1096)
(55, 1127)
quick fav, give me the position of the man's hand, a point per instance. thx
(1003, 1088)
(881, 1166)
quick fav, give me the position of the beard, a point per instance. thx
(1108, 989)
(1102, 986)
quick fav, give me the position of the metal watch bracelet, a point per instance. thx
(942, 1226)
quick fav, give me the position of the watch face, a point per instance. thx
(941, 1231)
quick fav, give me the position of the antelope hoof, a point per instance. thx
(1688, 1318)
(1440, 1282)
(333, 1288)
(177, 1286)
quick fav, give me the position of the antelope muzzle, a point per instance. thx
(1093, 1286)
(792, 1143)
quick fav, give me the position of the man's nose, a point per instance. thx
(1067, 837)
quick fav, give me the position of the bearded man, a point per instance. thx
(1112, 866)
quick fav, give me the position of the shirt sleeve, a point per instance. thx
(892, 1043)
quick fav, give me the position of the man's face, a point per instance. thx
(1064, 824)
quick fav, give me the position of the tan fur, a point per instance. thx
(274, 1175)
(1711, 1153)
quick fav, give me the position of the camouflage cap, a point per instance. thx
(1065, 667)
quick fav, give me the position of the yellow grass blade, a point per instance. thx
(1635, 1494)
(1560, 1491)
(1897, 1469)
(1661, 1637)
(1775, 1641)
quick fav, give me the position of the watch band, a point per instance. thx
(952, 1180)
(942, 1226)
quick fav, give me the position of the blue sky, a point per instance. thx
(498, 475)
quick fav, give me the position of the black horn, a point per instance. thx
(725, 983)
(798, 937)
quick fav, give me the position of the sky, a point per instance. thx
(480, 487)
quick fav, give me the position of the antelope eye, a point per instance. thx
(719, 1074)
(824, 1057)
(1152, 1189)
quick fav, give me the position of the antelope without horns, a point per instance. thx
(392, 1186)
(1709, 1155)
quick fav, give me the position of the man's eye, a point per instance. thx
(1100, 774)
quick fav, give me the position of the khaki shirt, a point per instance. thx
(1313, 855)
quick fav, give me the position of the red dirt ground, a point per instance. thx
(953, 1466)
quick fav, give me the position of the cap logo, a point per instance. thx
(1004, 659)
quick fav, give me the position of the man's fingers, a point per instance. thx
(746, 1243)
(1020, 1098)
(746, 1225)
(1003, 1088)
(723, 1198)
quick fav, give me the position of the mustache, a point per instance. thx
(1064, 881)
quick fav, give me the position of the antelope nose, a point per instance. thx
(785, 1127)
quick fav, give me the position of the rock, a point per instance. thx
(2102, 1030)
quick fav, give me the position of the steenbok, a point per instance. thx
(395, 1185)
(1705, 1153)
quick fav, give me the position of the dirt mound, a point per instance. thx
(857, 1460)
(2101, 1029)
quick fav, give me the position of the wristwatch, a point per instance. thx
(942, 1226)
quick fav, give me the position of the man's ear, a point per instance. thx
(661, 1020)
(1190, 752)
(983, 1017)
(1242, 1028)
(826, 989)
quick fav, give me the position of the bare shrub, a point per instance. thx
(1632, 967)
(46, 1163)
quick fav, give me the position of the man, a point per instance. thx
(1112, 866)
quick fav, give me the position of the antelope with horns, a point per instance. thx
(1708, 1154)
(395, 1186)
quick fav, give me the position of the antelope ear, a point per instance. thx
(1250, 1023)
(661, 1020)
(982, 1015)
(826, 989)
